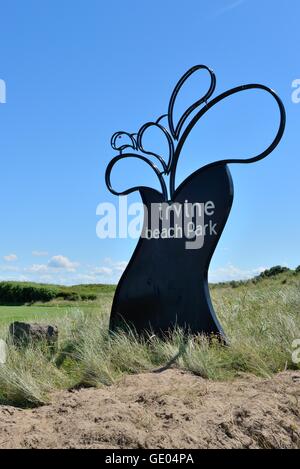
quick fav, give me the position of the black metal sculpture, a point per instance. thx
(165, 283)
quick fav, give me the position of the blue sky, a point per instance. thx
(76, 72)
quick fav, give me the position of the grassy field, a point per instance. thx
(40, 313)
(67, 299)
(261, 319)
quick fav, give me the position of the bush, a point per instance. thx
(13, 293)
(91, 297)
(277, 269)
(19, 293)
(69, 295)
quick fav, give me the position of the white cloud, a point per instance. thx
(46, 279)
(231, 272)
(111, 271)
(10, 258)
(103, 270)
(24, 278)
(37, 268)
(40, 253)
(118, 266)
(85, 278)
(62, 262)
(9, 268)
(61, 270)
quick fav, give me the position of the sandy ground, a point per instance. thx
(172, 409)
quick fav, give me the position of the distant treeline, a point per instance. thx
(18, 293)
(273, 272)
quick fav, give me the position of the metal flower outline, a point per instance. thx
(176, 136)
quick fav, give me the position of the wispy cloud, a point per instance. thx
(232, 272)
(61, 270)
(40, 253)
(229, 7)
(37, 268)
(10, 258)
(55, 265)
(110, 271)
(62, 262)
(9, 268)
(103, 271)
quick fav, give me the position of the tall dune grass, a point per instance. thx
(261, 322)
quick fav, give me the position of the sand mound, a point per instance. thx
(172, 409)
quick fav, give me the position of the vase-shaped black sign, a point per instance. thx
(165, 284)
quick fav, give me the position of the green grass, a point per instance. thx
(41, 313)
(261, 319)
(57, 308)
(28, 313)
